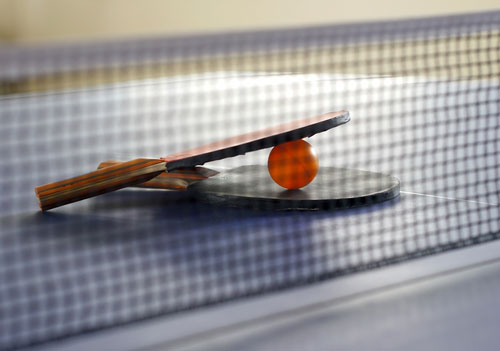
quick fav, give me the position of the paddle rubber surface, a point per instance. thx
(333, 188)
(261, 139)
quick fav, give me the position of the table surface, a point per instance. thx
(136, 254)
(436, 302)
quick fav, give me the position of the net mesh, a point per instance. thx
(424, 101)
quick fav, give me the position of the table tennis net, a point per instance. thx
(424, 101)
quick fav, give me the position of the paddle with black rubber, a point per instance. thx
(179, 170)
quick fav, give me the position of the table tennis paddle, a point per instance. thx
(142, 170)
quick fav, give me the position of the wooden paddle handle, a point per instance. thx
(179, 179)
(98, 182)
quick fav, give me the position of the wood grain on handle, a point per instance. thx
(98, 182)
(179, 179)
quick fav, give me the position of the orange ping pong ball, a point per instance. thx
(293, 164)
